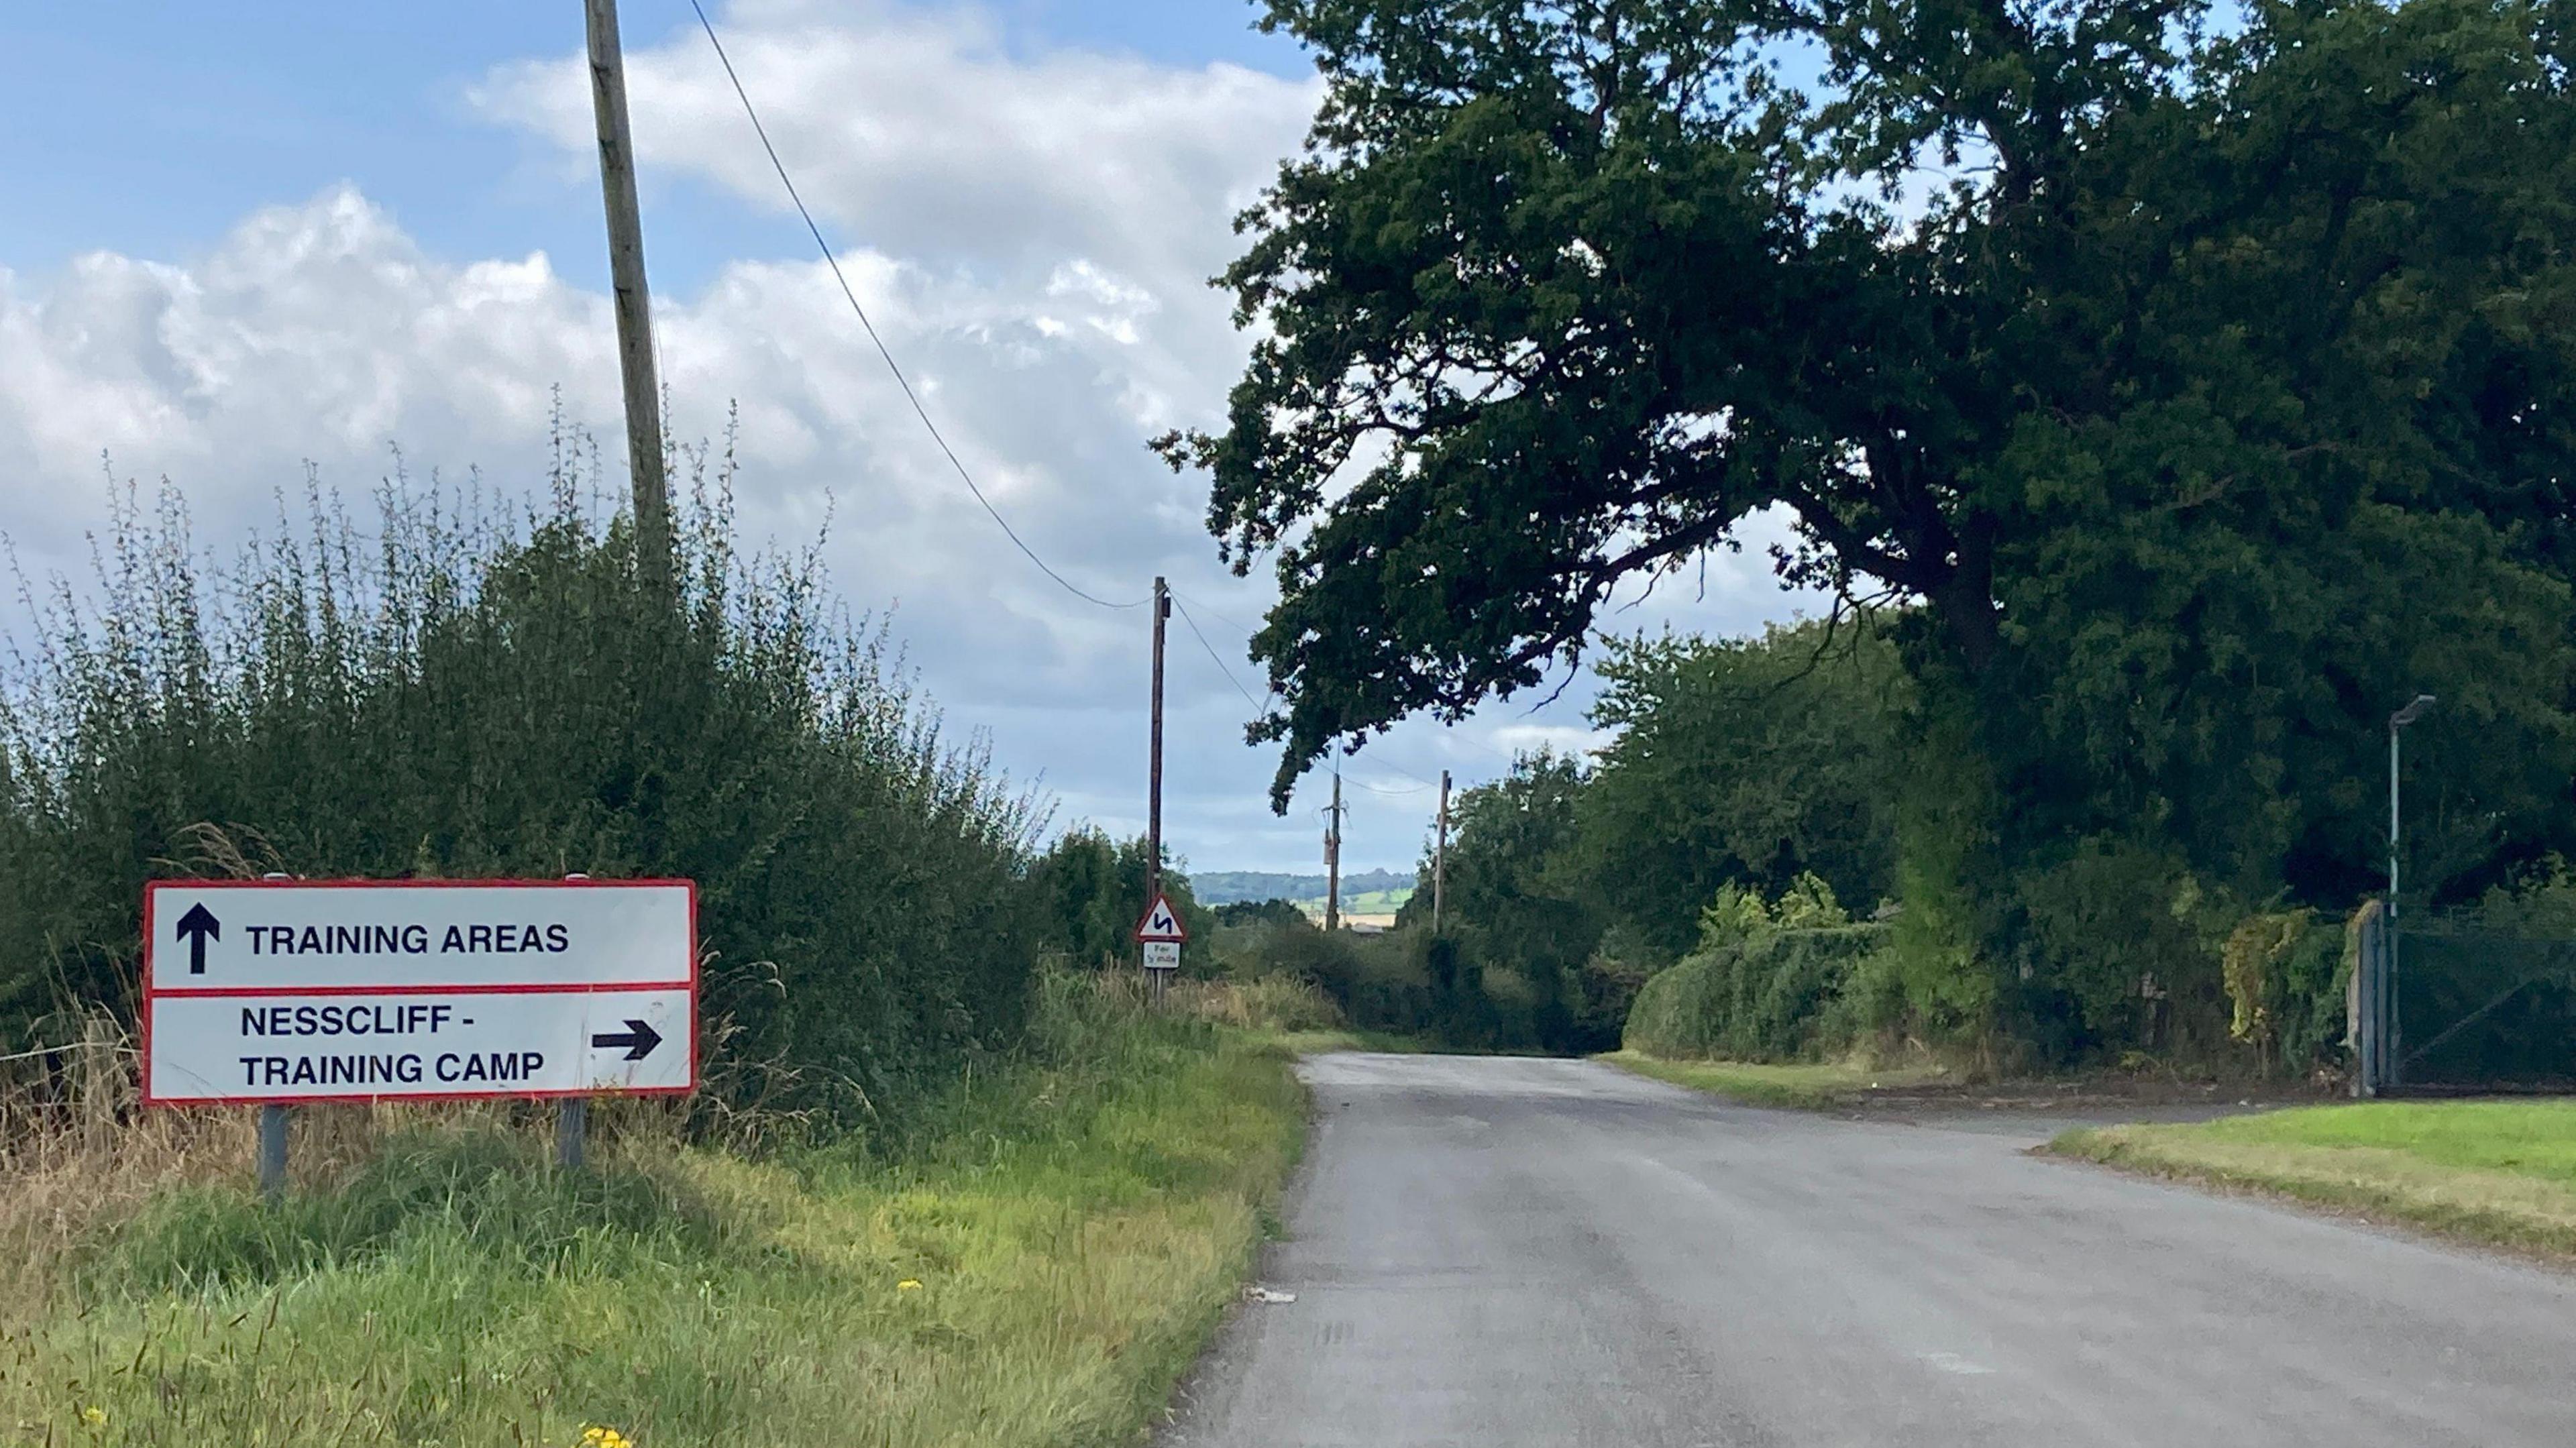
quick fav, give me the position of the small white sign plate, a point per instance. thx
(1162, 955)
(281, 991)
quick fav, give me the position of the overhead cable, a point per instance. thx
(902, 381)
(1258, 706)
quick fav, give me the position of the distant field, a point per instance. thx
(1365, 903)
(2502, 1172)
(1238, 886)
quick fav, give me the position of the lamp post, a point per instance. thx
(2397, 722)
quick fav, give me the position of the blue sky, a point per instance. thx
(144, 128)
(242, 241)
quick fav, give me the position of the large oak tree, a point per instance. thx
(2193, 375)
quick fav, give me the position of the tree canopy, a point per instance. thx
(2204, 356)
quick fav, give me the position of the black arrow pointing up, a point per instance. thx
(639, 1040)
(197, 927)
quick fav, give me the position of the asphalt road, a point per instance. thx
(1493, 1251)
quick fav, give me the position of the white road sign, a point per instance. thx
(1161, 922)
(1162, 955)
(268, 991)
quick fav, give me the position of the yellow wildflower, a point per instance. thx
(94, 1416)
(909, 1284)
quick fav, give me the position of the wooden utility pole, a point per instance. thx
(633, 301)
(1154, 768)
(1333, 859)
(1440, 856)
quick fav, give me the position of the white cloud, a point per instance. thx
(1031, 235)
(1560, 739)
(922, 133)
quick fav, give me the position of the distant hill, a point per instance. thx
(1226, 887)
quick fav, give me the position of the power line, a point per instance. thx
(1407, 773)
(1229, 623)
(1219, 661)
(1421, 783)
(902, 381)
(1258, 706)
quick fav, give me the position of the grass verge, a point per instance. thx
(2501, 1173)
(1309, 1043)
(1812, 1086)
(1039, 1268)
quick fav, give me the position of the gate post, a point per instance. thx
(2367, 1006)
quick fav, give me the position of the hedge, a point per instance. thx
(1776, 995)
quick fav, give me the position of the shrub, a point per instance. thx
(2118, 947)
(1260, 912)
(1091, 892)
(457, 691)
(1606, 990)
(1772, 995)
(2285, 978)
(1269, 1003)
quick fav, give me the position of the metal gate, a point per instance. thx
(2461, 1009)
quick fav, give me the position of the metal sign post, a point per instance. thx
(274, 992)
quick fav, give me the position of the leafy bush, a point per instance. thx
(2117, 945)
(1260, 912)
(1091, 890)
(1371, 980)
(1439, 989)
(2310, 998)
(456, 690)
(2285, 977)
(1772, 995)
(1606, 990)
(1269, 1003)
(2541, 905)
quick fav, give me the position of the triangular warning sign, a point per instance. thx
(1161, 922)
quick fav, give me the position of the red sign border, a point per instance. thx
(153, 888)
(1180, 927)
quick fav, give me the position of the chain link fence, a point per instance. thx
(2452, 1007)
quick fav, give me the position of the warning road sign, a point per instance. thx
(281, 991)
(1161, 922)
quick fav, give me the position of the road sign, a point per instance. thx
(1161, 922)
(261, 991)
(1162, 955)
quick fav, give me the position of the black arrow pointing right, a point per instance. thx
(197, 927)
(638, 1038)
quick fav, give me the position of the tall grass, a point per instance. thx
(448, 683)
(1036, 1266)
(1006, 1205)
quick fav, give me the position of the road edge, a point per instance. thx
(1188, 1394)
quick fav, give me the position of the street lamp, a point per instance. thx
(2413, 711)
(2397, 721)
